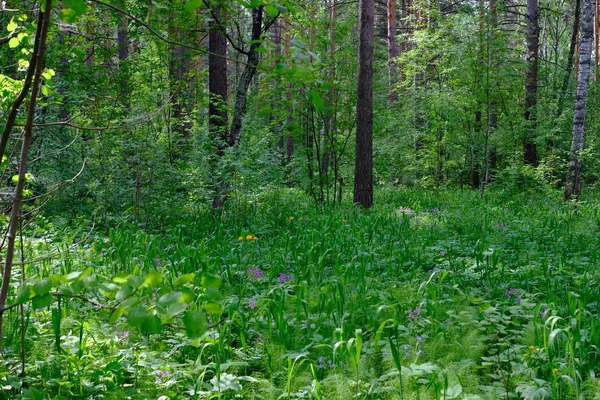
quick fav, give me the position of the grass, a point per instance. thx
(430, 295)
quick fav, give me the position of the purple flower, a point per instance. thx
(414, 314)
(405, 347)
(442, 253)
(283, 278)
(255, 273)
(258, 339)
(518, 300)
(252, 304)
(157, 261)
(419, 338)
(544, 311)
(159, 375)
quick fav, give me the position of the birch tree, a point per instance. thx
(573, 188)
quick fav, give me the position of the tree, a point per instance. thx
(531, 83)
(363, 163)
(573, 187)
(393, 49)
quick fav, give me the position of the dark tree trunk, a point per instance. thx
(531, 83)
(123, 54)
(565, 83)
(393, 49)
(363, 164)
(217, 105)
(573, 187)
(179, 69)
(217, 86)
(252, 58)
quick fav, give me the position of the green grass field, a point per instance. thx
(429, 295)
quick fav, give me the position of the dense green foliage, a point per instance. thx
(469, 298)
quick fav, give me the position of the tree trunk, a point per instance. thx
(393, 50)
(252, 58)
(531, 83)
(573, 187)
(123, 54)
(565, 83)
(179, 69)
(363, 164)
(37, 65)
(217, 105)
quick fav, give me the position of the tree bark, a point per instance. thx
(37, 63)
(573, 187)
(217, 105)
(565, 83)
(393, 50)
(123, 54)
(363, 164)
(531, 83)
(252, 58)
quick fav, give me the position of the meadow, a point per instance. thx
(428, 295)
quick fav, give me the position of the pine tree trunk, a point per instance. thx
(363, 164)
(565, 83)
(531, 83)
(573, 188)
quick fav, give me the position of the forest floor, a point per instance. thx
(429, 295)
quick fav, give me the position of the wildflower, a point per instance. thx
(405, 347)
(330, 363)
(344, 221)
(320, 362)
(555, 371)
(258, 339)
(531, 347)
(419, 338)
(414, 314)
(407, 354)
(241, 238)
(435, 210)
(249, 237)
(510, 292)
(442, 253)
(252, 304)
(421, 352)
(157, 261)
(283, 278)
(159, 375)
(404, 210)
(290, 218)
(255, 273)
(518, 300)
(544, 311)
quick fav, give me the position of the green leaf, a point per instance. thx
(68, 15)
(213, 308)
(272, 10)
(78, 6)
(192, 5)
(211, 281)
(137, 315)
(121, 278)
(12, 25)
(40, 302)
(118, 313)
(23, 295)
(135, 281)
(42, 287)
(183, 279)
(45, 90)
(213, 294)
(13, 42)
(169, 298)
(195, 324)
(152, 324)
(153, 279)
(316, 100)
(175, 309)
(124, 293)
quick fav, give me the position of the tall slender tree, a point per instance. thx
(573, 188)
(393, 49)
(531, 82)
(363, 163)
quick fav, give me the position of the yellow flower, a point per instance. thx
(241, 238)
(344, 221)
(290, 218)
(301, 219)
(531, 347)
(555, 371)
(249, 237)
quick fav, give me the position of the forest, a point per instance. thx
(300, 199)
